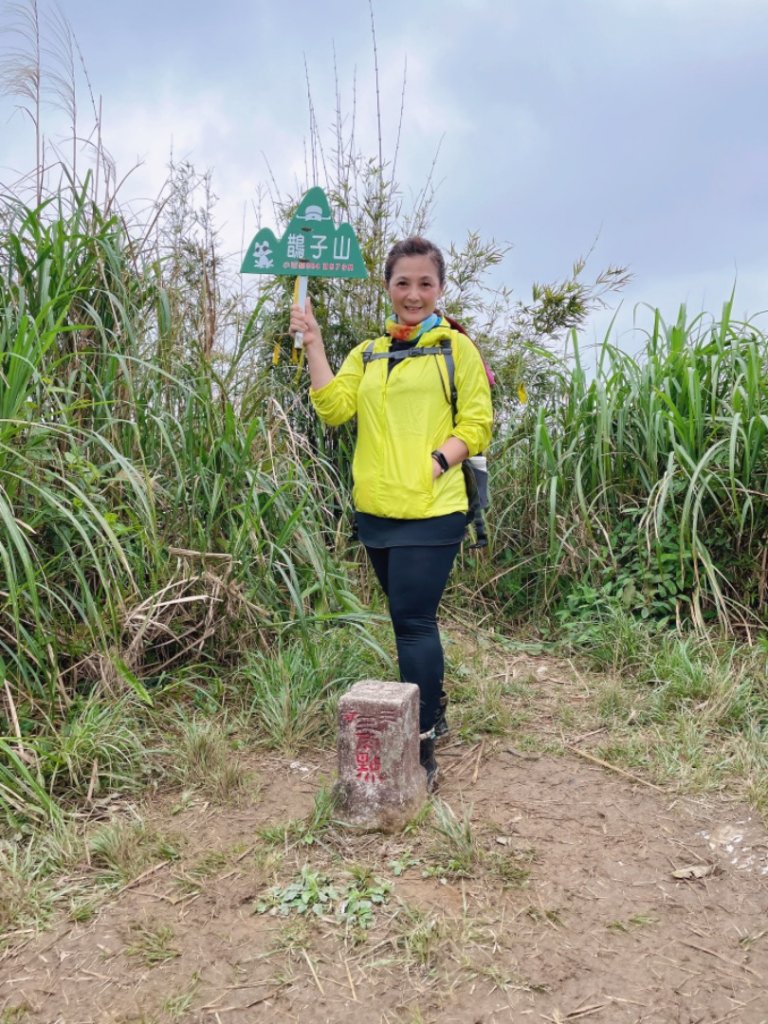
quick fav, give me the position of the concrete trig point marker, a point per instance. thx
(381, 783)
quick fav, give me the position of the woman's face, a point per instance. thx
(414, 289)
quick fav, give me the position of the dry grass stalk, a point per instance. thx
(614, 768)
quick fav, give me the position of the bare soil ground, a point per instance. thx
(567, 892)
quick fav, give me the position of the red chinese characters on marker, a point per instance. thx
(368, 730)
(368, 757)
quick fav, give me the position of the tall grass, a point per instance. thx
(144, 522)
(645, 483)
(169, 507)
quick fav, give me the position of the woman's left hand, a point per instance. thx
(454, 450)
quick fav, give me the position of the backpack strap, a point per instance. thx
(451, 367)
(443, 350)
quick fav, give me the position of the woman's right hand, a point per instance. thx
(320, 372)
(304, 322)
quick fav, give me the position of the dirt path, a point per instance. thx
(551, 895)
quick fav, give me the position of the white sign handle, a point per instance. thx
(301, 301)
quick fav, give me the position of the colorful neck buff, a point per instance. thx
(404, 332)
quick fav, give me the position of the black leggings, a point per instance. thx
(414, 579)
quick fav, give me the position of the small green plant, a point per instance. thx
(512, 868)
(321, 817)
(749, 940)
(304, 831)
(178, 1005)
(633, 584)
(14, 1014)
(361, 897)
(315, 893)
(635, 921)
(123, 849)
(456, 851)
(613, 702)
(99, 747)
(205, 759)
(420, 935)
(541, 915)
(478, 706)
(26, 892)
(566, 717)
(482, 710)
(209, 865)
(82, 910)
(418, 820)
(152, 944)
(602, 630)
(502, 978)
(401, 864)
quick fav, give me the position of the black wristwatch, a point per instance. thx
(441, 460)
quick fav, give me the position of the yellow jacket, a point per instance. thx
(402, 418)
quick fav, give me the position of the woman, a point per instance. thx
(409, 493)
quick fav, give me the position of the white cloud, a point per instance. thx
(639, 119)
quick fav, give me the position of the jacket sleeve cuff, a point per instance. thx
(475, 443)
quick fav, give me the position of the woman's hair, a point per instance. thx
(415, 246)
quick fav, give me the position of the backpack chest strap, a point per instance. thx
(411, 353)
(405, 353)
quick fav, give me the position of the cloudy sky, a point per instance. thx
(634, 129)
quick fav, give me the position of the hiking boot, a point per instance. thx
(442, 729)
(428, 762)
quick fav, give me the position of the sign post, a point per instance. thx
(312, 246)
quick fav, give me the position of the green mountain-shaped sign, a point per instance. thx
(311, 247)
